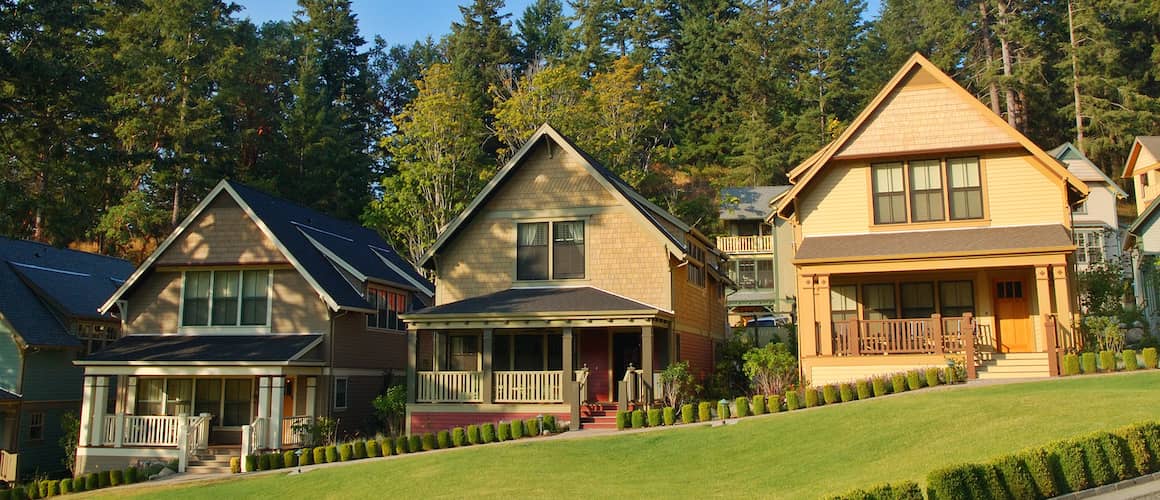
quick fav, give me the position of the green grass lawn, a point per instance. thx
(805, 454)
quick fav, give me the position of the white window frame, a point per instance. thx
(1087, 241)
(346, 393)
(237, 327)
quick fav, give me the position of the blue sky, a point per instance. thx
(403, 21)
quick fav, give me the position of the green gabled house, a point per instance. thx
(48, 318)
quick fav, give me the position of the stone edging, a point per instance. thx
(1108, 488)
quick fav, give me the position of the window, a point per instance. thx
(225, 298)
(236, 405)
(966, 192)
(178, 396)
(150, 396)
(1089, 247)
(529, 351)
(568, 250)
(532, 251)
(843, 302)
(388, 304)
(889, 194)
(1009, 289)
(341, 385)
(36, 426)
(752, 273)
(926, 194)
(696, 270)
(95, 336)
(462, 353)
(227, 400)
(917, 300)
(208, 398)
(1144, 179)
(879, 301)
(956, 297)
(1080, 209)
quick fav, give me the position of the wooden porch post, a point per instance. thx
(1043, 299)
(130, 397)
(412, 362)
(486, 364)
(100, 396)
(854, 338)
(969, 345)
(571, 396)
(646, 361)
(86, 431)
(823, 315)
(936, 335)
(1063, 297)
(1050, 327)
(277, 393)
(311, 397)
(263, 410)
(435, 350)
(807, 323)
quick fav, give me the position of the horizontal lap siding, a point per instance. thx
(837, 202)
(698, 351)
(1020, 194)
(359, 416)
(357, 347)
(222, 233)
(434, 422)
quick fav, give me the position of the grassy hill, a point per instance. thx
(804, 454)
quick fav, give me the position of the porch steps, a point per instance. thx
(598, 416)
(1014, 365)
(212, 461)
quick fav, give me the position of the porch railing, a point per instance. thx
(529, 387)
(291, 437)
(8, 466)
(449, 387)
(155, 430)
(933, 335)
(745, 244)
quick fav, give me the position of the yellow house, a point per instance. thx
(931, 231)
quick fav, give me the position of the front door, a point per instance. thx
(625, 351)
(594, 355)
(1014, 323)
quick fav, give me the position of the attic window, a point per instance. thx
(558, 256)
(226, 298)
(388, 304)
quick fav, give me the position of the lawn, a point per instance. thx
(804, 454)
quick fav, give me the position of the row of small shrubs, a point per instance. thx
(385, 446)
(807, 397)
(87, 482)
(1056, 469)
(1105, 361)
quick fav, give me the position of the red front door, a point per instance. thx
(594, 353)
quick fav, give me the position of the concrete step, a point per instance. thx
(1020, 355)
(1012, 375)
(1037, 363)
(207, 469)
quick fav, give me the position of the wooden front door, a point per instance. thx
(594, 355)
(1015, 333)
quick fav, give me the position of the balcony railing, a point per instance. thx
(529, 387)
(745, 244)
(449, 387)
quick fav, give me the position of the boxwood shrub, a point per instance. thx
(532, 425)
(1130, 361)
(669, 416)
(963, 481)
(78, 484)
(53, 487)
(1107, 361)
(345, 452)
(65, 486)
(374, 449)
(331, 454)
(443, 440)
(103, 480)
(932, 377)
(307, 457)
(428, 442)
(913, 380)
(1038, 464)
(487, 433)
(1150, 357)
(898, 383)
(517, 429)
(830, 394)
(759, 405)
(289, 458)
(459, 437)
(1068, 460)
(550, 423)
(704, 411)
(116, 477)
(845, 392)
(722, 410)
(950, 375)
(791, 401)
(687, 415)
(388, 446)
(811, 397)
(1088, 362)
(415, 443)
(862, 387)
(473, 435)
(906, 490)
(251, 462)
(93, 482)
(264, 461)
(879, 385)
(504, 431)
(402, 445)
(1015, 476)
(742, 406)
(637, 419)
(622, 420)
(1071, 364)
(654, 417)
(1137, 444)
(276, 461)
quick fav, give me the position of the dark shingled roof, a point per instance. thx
(984, 240)
(214, 348)
(748, 203)
(538, 300)
(40, 285)
(294, 226)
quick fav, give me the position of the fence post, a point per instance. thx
(1051, 330)
(203, 432)
(969, 345)
(937, 333)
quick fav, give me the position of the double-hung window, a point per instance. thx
(388, 305)
(925, 191)
(550, 250)
(1089, 247)
(966, 188)
(926, 194)
(889, 194)
(917, 300)
(225, 298)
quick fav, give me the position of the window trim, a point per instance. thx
(32, 423)
(406, 307)
(1090, 236)
(218, 329)
(947, 221)
(551, 279)
(345, 393)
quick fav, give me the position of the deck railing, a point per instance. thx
(529, 387)
(933, 335)
(154, 430)
(745, 244)
(8, 466)
(449, 387)
(291, 437)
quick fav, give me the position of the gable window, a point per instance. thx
(36, 426)
(926, 194)
(966, 188)
(388, 304)
(540, 257)
(889, 194)
(225, 298)
(1089, 247)
(341, 386)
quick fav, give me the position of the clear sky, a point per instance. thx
(404, 21)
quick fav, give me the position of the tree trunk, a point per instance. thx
(1013, 111)
(1075, 75)
(989, 54)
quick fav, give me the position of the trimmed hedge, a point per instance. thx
(116, 477)
(906, 490)
(388, 446)
(1130, 361)
(862, 387)
(504, 431)
(812, 397)
(1071, 364)
(913, 380)
(669, 416)
(845, 392)
(1150, 357)
(722, 410)
(1088, 362)
(704, 411)
(459, 437)
(879, 385)
(276, 461)
(488, 433)
(532, 425)
(307, 457)
(345, 452)
(428, 442)
(830, 394)
(443, 439)
(687, 415)
(622, 418)
(92, 482)
(1107, 361)
(637, 419)
(374, 449)
(415, 443)
(759, 405)
(264, 461)
(932, 377)
(289, 458)
(654, 417)
(103, 479)
(360, 450)
(402, 445)
(550, 423)
(473, 435)
(65, 487)
(791, 401)
(950, 375)
(742, 406)
(331, 454)
(517, 429)
(898, 383)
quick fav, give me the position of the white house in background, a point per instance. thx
(1142, 241)
(1095, 226)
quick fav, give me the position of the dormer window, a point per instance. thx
(560, 256)
(388, 304)
(226, 298)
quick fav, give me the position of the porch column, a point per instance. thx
(263, 409)
(571, 395)
(807, 329)
(412, 361)
(100, 400)
(1062, 298)
(311, 397)
(823, 315)
(277, 393)
(86, 431)
(488, 389)
(435, 350)
(646, 361)
(1043, 299)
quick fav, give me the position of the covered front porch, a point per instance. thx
(474, 367)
